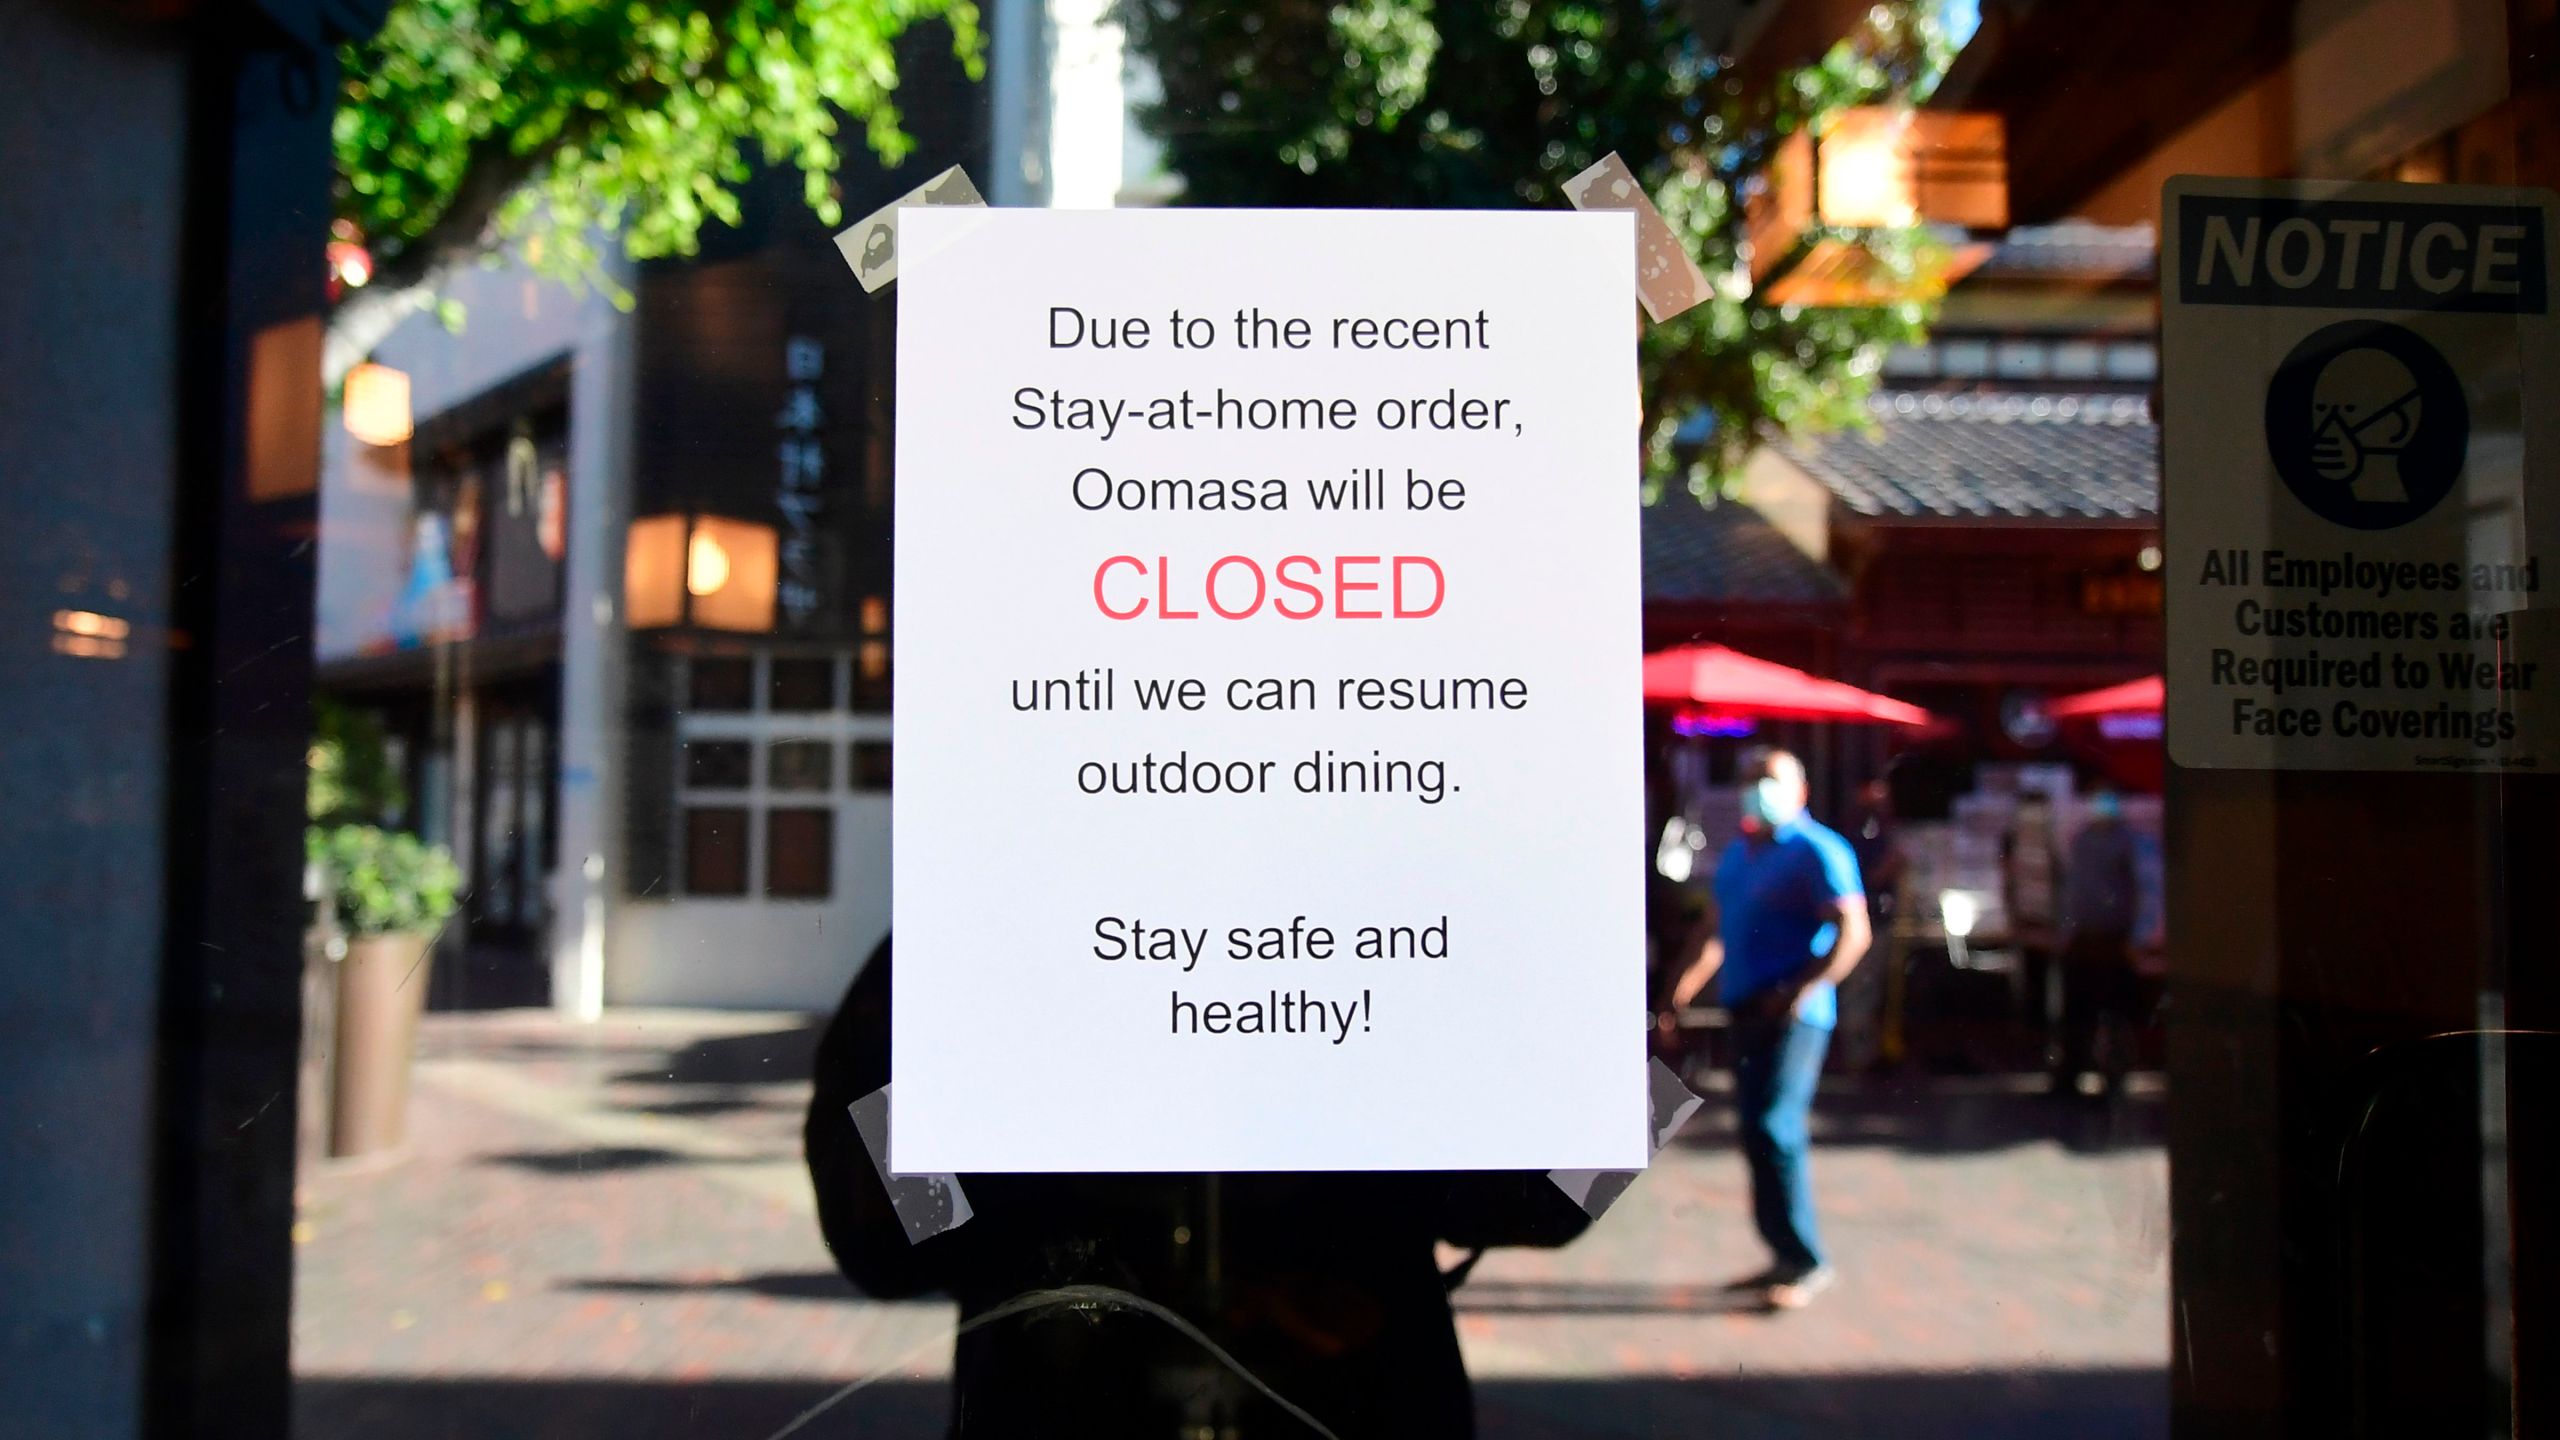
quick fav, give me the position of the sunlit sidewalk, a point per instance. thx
(607, 1230)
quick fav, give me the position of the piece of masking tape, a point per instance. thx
(1671, 1103)
(927, 1205)
(1668, 282)
(871, 246)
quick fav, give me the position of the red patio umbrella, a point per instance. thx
(2127, 721)
(1728, 682)
(2133, 697)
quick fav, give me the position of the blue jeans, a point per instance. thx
(1775, 1067)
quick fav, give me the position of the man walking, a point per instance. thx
(2102, 899)
(1793, 921)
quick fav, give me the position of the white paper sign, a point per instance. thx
(2360, 437)
(1269, 788)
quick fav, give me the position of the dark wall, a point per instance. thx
(94, 119)
(1977, 603)
(160, 403)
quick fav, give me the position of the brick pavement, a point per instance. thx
(605, 1231)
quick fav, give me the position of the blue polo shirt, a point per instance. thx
(1775, 899)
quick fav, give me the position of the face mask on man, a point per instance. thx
(1772, 802)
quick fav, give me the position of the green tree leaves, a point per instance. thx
(1433, 103)
(380, 881)
(550, 125)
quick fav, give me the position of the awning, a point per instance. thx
(1728, 682)
(2133, 697)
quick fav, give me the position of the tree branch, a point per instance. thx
(405, 281)
(364, 319)
(491, 173)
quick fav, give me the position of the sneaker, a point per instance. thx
(1797, 1292)
(1774, 1275)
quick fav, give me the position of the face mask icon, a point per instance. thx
(878, 248)
(2367, 424)
(2364, 412)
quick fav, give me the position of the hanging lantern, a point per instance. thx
(376, 405)
(1876, 168)
(706, 571)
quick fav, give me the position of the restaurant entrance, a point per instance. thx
(507, 913)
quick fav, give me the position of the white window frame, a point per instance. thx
(760, 727)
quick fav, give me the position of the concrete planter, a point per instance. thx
(382, 990)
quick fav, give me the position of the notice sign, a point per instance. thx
(2359, 489)
(1269, 788)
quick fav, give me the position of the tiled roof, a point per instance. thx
(1727, 552)
(1993, 456)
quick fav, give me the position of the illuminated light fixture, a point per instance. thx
(90, 622)
(706, 565)
(88, 647)
(1870, 169)
(1713, 724)
(1959, 911)
(705, 571)
(376, 405)
(90, 635)
(350, 264)
(2131, 725)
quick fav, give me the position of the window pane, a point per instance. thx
(1965, 357)
(871, 676)
(717, 764)
(803, 684)
(800, 765)
(620, 585)
(715, 850)
(870, 770)
(2076, 360)
(2019, 360)
(723, 683)
(799, 853)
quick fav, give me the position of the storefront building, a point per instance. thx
(622, 599)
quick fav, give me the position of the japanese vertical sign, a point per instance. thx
(800, 496)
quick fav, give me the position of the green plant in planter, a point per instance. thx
(381, 881)
(384, 882)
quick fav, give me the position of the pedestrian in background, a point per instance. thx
(2102, 891)
(2031, 896)
(1792, 921)
(1881, 863)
